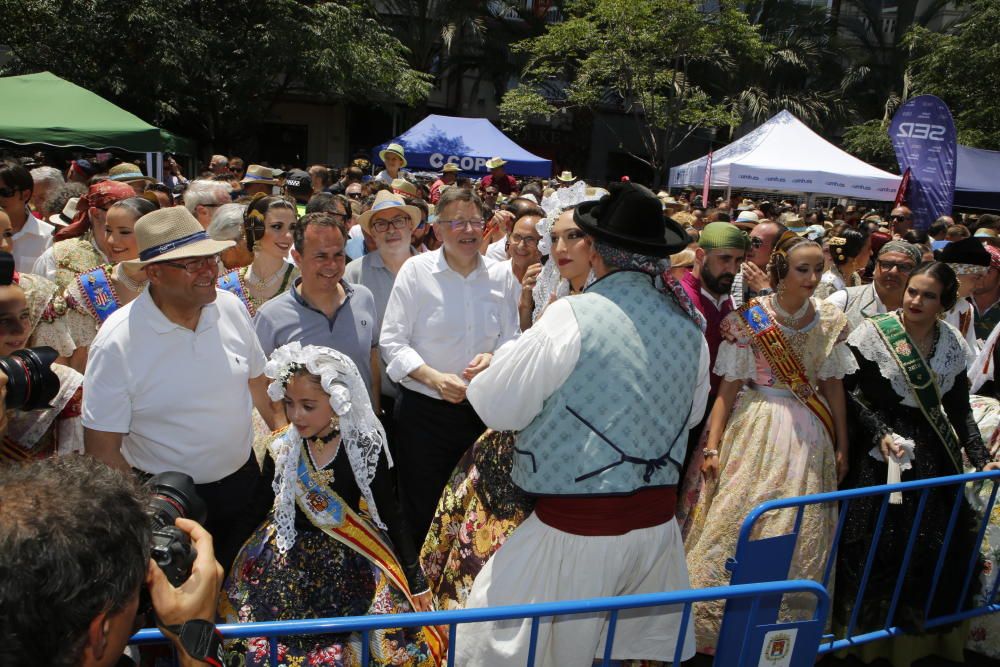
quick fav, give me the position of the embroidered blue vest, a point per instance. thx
(619, 422)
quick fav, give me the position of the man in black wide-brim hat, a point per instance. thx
(608, 383)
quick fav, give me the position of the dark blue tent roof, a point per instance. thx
(468, 142)
(977, 184)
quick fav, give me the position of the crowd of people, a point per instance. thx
(396, 393)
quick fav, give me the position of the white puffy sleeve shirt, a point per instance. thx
(510, 393)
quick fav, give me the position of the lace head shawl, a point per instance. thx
(361, 433)
(550, 284)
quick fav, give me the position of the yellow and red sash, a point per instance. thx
(328, 512)
(766, 336)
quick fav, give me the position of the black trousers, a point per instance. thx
(233, 510)
(431, 436)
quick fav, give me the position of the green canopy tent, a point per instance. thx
(44, 109)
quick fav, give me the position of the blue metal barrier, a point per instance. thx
(770, 558)
(793, 643)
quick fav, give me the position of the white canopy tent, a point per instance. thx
(783, 155)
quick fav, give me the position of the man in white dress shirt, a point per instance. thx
(447, 313)
(31, 235)
(602, 390)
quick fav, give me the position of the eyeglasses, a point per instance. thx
(902, 267)
(193, 266)
(399, 222)
(756, 242)
(478, 224)
(530, 241)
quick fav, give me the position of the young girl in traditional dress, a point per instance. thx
(323, 550)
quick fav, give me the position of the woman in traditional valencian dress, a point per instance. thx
(480, 507)
(850, 251)
(319, 554)
(910, 402)
(80, 246)
(267, 228)
(26, 300)
(769, 441)
(94, 294)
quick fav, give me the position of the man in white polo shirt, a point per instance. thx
(447, 312)
(172, 377)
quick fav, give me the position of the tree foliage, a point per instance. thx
(962, 67)
(638, 57)
(211, 70)
(869, 141)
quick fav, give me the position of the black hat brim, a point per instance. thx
(675, 238)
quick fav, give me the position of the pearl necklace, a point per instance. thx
(127, 282)
(791, 317)
(254, 281)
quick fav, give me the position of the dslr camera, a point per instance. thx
(173, 496)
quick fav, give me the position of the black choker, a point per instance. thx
(326, 439)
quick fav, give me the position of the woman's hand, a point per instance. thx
(710, 467)
(528, 284)
(423, 601)
(889, 447)
(842, 465)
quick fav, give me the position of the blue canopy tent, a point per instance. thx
(467, 142)
(977, 183)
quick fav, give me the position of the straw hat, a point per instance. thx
(172, 233)
(384, 200)
(126, 172)
(394, 149)
(258, 174)
(65, 216)
(495, 163)
(566, 177)
(683, 259)
(404, 188)
(450, 168)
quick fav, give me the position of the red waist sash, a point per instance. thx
(608, 515)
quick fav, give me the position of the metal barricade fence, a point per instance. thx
(770, 558)
(764, 640)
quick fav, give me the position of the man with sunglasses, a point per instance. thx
(752, 279)
(172, 378)
(32, 236)
(896, 259)
(901, 220)
(447, 313)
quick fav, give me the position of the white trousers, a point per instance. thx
(541, 564)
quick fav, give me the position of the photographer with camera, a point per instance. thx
(75, 555)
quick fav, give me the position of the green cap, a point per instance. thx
(717, 235)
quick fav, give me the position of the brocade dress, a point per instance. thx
(773, 447)
(320, 577)
(880, 402)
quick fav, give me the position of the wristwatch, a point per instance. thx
(201, 640)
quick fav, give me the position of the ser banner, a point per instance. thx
(923, 136)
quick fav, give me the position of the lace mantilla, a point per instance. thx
(362, 435)
(947, 362)
(550, 285)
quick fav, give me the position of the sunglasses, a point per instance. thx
(756, 242)
(902, 267)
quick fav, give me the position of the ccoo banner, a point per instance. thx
(923, 136)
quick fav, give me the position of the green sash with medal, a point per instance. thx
(920, 380)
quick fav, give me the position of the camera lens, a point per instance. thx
(174, 496)
(31, 384)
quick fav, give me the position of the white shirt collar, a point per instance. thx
(711, 297)
(441, 264)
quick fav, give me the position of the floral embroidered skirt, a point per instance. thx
(318, 578)
(773, 447)
(984, 634)
(478, 510)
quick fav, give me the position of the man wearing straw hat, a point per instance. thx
(131, 174)
(258, 179)
(499, 178)
(566, 179)
(172, 377)
(394, 158)
(449, 174)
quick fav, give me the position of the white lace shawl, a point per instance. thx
(982, 370)
(550, 285)
(947, 362)
(362, 435)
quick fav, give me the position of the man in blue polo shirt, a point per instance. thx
(321, 308)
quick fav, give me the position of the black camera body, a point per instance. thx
(173, 496)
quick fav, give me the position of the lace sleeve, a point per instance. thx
(956, 406)
(735, 361)
(55, 334)
(841, 362)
